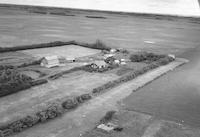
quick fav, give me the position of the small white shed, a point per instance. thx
(50, 61)
(108, 55)
(117, 61)
(113, 50)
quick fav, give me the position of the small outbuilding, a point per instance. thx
(50, 61)
(113, 50)
(99, 64)
(70, 60)
(108, 56)
(117, 62)
(172, 56)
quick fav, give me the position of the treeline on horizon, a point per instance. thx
(72, 11)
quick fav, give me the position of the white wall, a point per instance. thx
(175, 7)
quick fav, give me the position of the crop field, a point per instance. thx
(68, 51)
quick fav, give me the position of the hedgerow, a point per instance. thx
(38, 82)
(97, 45)
(51, 111)
(132, 75)
(145, 56)
(11, 81)
(35, 62)
(4, 67)
(108, 116)
(34, 46)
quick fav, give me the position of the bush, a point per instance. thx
(4, 67)
(38, 82)
(97, 45)
(29, 121)
(16, 126)
(5, 133)
(164, 61)
(51, 111)
(145, 56)
(85, 97)
(70, 104)
(12, 81)
(124, 70)
(36, 62)
(108, 116)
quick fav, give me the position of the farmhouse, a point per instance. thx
(99, 64)
(50, 61)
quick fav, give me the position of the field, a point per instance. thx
(14, 58)
(68, 51)
(30, 100)
(157, 34)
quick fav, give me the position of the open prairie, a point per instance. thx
(131, 32)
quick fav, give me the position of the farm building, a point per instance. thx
(108, 56)
(113, 50)
(117, 61)
(70, 60)
(172, 56)
(99, 64)
(50, 61)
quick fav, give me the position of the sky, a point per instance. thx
(172, 7)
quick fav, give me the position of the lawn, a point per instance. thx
(26, 101)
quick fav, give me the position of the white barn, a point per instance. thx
(50, 61)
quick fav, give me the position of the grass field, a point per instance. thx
(134, 33)
(14, 58)
(68, 51)
(24, 102)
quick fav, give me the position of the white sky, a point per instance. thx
(175, 7)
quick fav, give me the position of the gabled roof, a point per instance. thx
(51, 57)
(50, 61)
